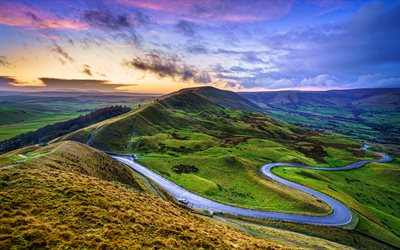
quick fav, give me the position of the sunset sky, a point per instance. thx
(161, 46)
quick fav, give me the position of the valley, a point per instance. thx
(213, 143)
(369, 115)
(199, 124)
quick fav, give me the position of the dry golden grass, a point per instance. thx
(51, 203)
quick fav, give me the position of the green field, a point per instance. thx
(33, 113)
(372, 191)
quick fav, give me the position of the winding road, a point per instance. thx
(340, 216)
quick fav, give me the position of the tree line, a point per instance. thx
(50, 132)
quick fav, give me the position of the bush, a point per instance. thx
(183, 168)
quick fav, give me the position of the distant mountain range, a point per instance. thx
(388, 98)
(367, 114)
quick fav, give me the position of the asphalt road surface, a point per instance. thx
(340, 216)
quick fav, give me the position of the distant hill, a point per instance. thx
(366, 114)
(388, 98)
(68, 195)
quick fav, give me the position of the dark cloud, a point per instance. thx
(7, 81)
(186, 28)
(87, 70)
(231, 85)
(171, 66)
(4, 62)
(12, 84)
(119, 24)
(63, 55)
(80, 84)
(105, 19)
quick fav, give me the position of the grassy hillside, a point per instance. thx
(365, 114)
(217, 151)
(21, 113)
(68, 195)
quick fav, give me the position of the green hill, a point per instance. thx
(226, 144)
(200, 142)
(365, 114)
(68, 195)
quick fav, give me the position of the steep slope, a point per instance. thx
(68, 195)
(224, 98)
(200, 109)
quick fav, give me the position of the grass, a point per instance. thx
(49, 202)
(371, 191)
(33, 112)
(10, 130)
(347, 237)
(363, 122)
(297, 239)
(227, 146)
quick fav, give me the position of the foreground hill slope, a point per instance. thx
(69, 195)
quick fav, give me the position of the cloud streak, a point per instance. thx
(63, 55)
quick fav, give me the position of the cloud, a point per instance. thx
(80, 84)
(120, 24)
(171, 66)
(216, 10)
(17, 14)
(186, 28)
(86, 70)
(196, 48)
(105, 19)
(323, 80)
(63, 55)
(367, 42)
(4, 62)
(377, 80)
(57, 84)
(8, 83)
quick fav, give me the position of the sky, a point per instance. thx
(159, 46)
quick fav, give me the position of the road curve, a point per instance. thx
(340, 216)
